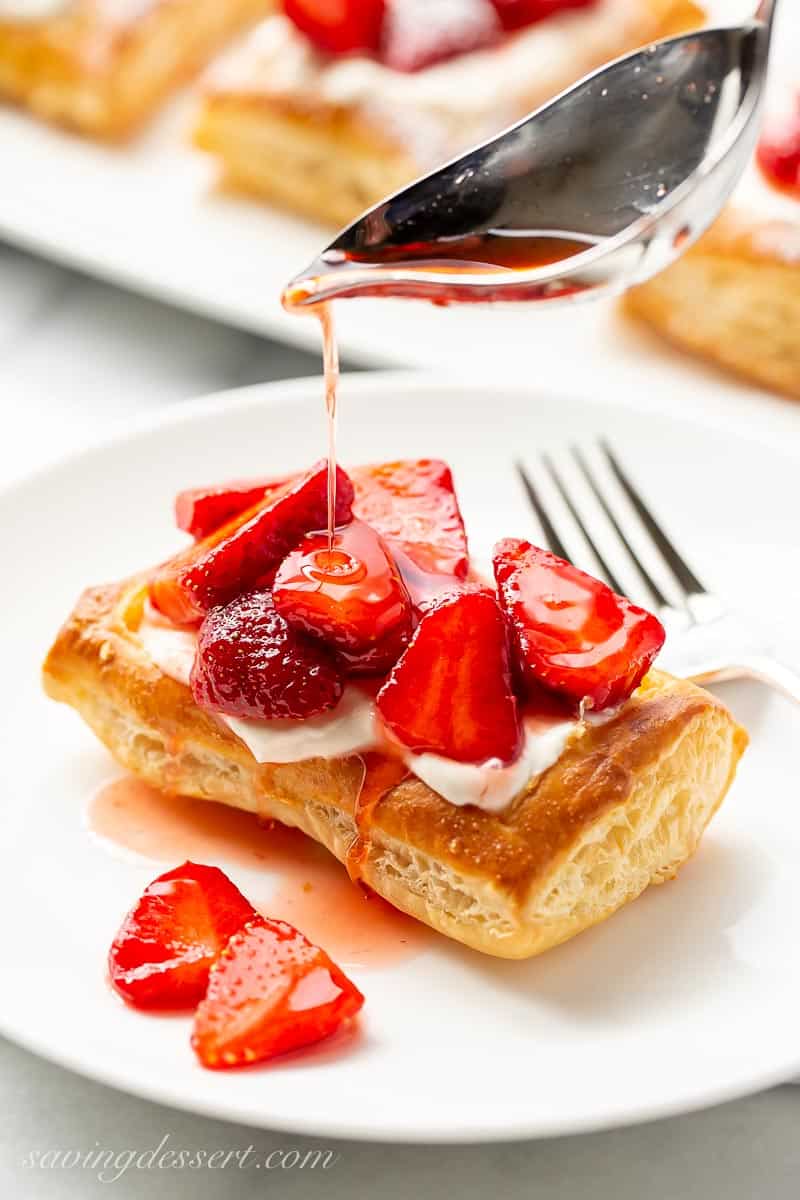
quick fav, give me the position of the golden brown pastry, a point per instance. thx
(733, 299)
(104, 66)
(623, 807)
(329, 137)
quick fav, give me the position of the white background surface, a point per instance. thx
(78, 359)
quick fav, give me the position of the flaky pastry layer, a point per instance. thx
(104, 66)
(329, 159)
(733, 299)
(624, 806)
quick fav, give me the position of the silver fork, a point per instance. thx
(591, 513)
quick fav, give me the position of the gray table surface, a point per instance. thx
(78, 359)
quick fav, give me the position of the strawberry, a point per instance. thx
(516, 14)
(243, 554)
(271, 991)
(201, 511)
(571, 632)
(778, 153)
(451, 692)
(417, 34)
(249, 663)
(352, 597)
(412, 504)
(167, 943)
(338, 26)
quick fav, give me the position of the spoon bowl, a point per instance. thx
(597, 190)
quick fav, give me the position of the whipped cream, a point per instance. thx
(31, 10)
(443, 109)
(354, 726)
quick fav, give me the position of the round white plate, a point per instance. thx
(687, 997)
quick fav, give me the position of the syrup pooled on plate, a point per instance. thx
(306, 887)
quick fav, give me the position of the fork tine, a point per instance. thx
(680, 568)
(576, 516)
(548, 528)
(660, 598)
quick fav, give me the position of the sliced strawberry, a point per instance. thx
(516, 14)
(571, 632)
(351, 596)
(167, 943)
(417, 34)
(201, 511)
(249, 663)
(338, 26)
(244, 553)
(778, 153)
(271, 991)
(451, 692)
(412, 504)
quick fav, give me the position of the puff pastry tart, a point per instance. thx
(104, 66)
(734, 299)
(501, 761)
(327, 121)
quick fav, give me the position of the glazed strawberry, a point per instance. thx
(778, 152)
(412, 504)
(201, 511)
(249, 663)
(516, 14)
(351, 596)
(271, 991)
(451, 692)
(417, 33)
(338, 26)
(167, 943)
(571, 632)
(243, 554)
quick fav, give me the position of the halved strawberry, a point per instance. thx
(516, 14)
(571, 632)
(350, 596)
(338, 26)
(249, 663)
(244, 553)
(412, 504)
(201, 511)
(168, 941)
(451, 692)
(417, 34)
(271, 991)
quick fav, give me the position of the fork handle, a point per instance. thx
(774, 674)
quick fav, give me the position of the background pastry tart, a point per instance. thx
(734, 299)
(623, 807)
(104, 66)
(329, 134)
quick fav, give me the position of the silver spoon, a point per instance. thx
(606, 184)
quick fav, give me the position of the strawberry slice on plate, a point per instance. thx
(271, 991)
(338, 26)
(418, 34)
(778, 153)
(571, 632)
(243, 554)
(201, 511)
(250, 663)
(451, 692)
(167, 943)
(516, 14)
(350, 595)
(412, 504)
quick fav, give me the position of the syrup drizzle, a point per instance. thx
(382, 772)
(330, 363)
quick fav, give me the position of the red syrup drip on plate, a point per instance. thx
(308, 887)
